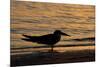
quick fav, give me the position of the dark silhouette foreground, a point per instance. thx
(39, 58)
(49, 39)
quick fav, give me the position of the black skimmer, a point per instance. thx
(49, 39)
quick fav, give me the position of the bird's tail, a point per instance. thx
(26, 39)
(30, 38)
(27, 36)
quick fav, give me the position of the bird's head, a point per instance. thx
(59, 32)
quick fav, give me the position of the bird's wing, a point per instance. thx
(30, 38)
(27, 36)
(45, 39)
(48, 36)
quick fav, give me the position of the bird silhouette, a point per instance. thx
(49, 39)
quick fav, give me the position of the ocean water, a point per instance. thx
(36, 18)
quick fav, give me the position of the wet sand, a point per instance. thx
(39, 56)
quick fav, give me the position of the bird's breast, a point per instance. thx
(55, 39)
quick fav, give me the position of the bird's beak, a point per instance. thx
(64, 34)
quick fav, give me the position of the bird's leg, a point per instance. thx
(52, 48)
